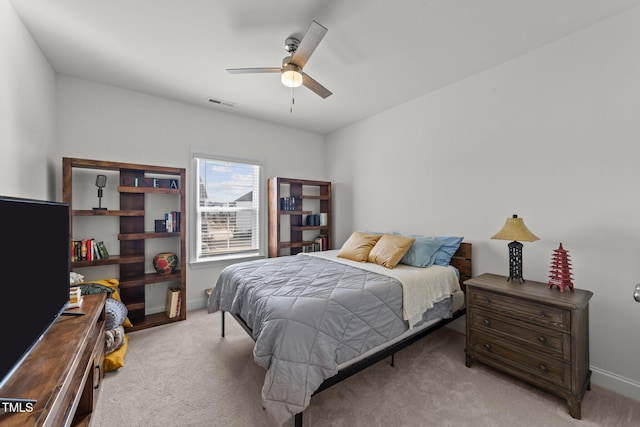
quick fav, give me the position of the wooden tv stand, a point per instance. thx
(63, 372)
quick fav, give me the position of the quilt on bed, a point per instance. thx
(308, 315)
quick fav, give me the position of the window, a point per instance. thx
(227, 205)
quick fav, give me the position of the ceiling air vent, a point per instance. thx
(219, 102)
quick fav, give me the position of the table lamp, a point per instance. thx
(514, 229)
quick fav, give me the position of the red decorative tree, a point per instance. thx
(560, 274)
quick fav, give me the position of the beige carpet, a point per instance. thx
(185, 374)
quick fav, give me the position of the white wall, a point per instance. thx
(553, 136)
(107, 123)
(27, 112)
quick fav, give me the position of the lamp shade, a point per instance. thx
(291, 75)
(514, 229)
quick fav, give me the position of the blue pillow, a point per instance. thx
(450, 245)
(422, 252)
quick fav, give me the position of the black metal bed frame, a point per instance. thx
(461, 260)
(367, 361)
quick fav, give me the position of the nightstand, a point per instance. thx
(534, 333)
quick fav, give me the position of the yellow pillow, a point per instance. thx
(115, 359)
(358, 246)
(390, 249)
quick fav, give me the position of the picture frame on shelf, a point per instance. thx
(160, 225)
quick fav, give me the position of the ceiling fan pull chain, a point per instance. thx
(293, 101)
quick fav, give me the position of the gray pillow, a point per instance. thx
(116, 312)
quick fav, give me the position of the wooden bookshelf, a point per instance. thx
(132, 235)
(311, 197)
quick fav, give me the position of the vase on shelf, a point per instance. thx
(165, 262)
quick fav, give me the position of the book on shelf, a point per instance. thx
(167, 221)
(102, 249)
(172, 221)
(95, 254)
(81, 250)
(179, 303)
(173, 297)
(320, 243)
(88, 250)
(84, 250)
(176, 216)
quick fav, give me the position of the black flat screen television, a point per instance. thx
(35, 255)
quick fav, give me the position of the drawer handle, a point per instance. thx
(487, 346)
(543, 314)
(97, 385)
(542, 339)
(542, 367)
(487, 322)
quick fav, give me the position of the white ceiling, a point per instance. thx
(376, 54)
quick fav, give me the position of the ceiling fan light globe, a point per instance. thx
(291, 76)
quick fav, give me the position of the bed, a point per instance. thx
(317, 318)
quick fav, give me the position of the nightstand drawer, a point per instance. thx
(529, 311)
(536, 365)
(544, 340)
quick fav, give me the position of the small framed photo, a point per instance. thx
(160, 225)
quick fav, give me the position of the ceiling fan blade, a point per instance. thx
(315, 86)
(308, 44)
(253, 70)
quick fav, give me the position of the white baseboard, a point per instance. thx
(196, 304)
(191, 305)
(614, 382)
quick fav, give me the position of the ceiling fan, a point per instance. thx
(299, 53)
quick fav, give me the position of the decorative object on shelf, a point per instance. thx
(127, 181)
(160, 225)
(165, 262)
(101, 182)
(515, 230)
(560, 274)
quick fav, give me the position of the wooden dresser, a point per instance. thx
(63, 371)
(537, 334)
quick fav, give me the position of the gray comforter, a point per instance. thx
(307, 315)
